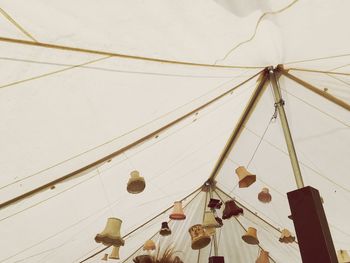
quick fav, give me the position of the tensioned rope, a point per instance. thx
(256, 29)
(121, 150)
(18, 26)
(316, 59)
(52, 72)
(105, 69)
(320, 71)
(120, 55)
(196, 192)
(118, 137)
(222, 200)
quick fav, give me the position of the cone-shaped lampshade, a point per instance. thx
(136, 183)
(110, 236)
(286, 237)
(263, 257)
(209, 220)
(105, 257)
(200, 238)
(178, 213)
(149, 245)
(115, 253)
(216, 259)
(250, 237)
(231, 209)
(245, 177)
(343, 256)
(214, 203)
(165, 230)
(143, 259)
(264, 196)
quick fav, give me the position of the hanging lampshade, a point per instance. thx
(136, 183)
(165, 230)
(110, 236)
(216, 259)
(214, 203)
(200, 238)
(250, 237)
(286, 237)
(245, 177)
(264, 196)
(210, 220)
(105, 257)
(115, 253)
(231, 209)
(178, 213)
(263, 257)
(149, 245)
(343, 256)
(143, 259)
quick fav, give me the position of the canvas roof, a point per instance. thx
(81, 80)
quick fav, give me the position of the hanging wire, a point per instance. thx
(272, 119)
(105, 191)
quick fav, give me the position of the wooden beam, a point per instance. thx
(314, 89)
(241, 123)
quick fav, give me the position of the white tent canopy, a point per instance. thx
(159, 86)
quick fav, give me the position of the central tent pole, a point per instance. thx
(279, 103)
(310, 222)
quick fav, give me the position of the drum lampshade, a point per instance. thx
(216, 259)
(143, 259)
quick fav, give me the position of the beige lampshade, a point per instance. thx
(200, 238)
(110, 236)
(105, 257)
(178, 213)
(250, 237)
(210, 223)
(264, 196)
(343, 256)
(209, 220)
(115, 253)
(149, 245)
(136, 183)
(245, 177)
(286, 237)
(263, 257)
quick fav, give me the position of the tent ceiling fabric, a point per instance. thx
(61, 110)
